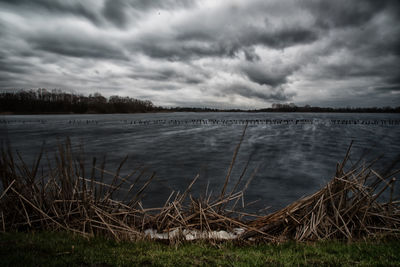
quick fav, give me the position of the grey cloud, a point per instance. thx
(6, 79)
(381, 46)
(280, 38)
(351, 66)
(248, 92)
(120, 12)
(395, 78)
(196, 34)
(272, 76)
(154, 76)
(262, 49)
(165, 48)
(9, 65)
(388, 88)
(366, 31)
(16, 72)
(76, 8)
(170, 75)
(348, 69)
(161, 4)
(251, 55)
(370, 41)
(220, 35)
(75, 46)
(5, 66)
(224, 44)
(342, 13)
(114, 11)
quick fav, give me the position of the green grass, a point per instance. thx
(64, 249)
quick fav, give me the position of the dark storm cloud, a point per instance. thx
(19, 68)
(15, 71)
(176, 51)
(360, 54)
(381, 71)
(114, 11)
(262, 76)
(395, 87)
(343, 13)
(119, 12)
(395, 78)
(170, 75)
(248, 92)
(250, 35)
(76, 46)
(6, 79)
(238, 53)
(364, 47)
(344, 70)
(199, 44)
(250, 54)
(161, 4)
(281, 38)
(11, 65)
(76, 8)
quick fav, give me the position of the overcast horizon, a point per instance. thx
(218, 54)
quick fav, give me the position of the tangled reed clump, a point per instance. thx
(60, 195)
(348, 207)
(65, 197)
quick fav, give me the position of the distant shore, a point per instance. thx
(42, 101)
(391, 111)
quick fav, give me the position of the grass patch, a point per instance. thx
(66, 249)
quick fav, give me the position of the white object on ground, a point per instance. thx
(195, 234)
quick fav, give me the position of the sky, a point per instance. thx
(221, 54)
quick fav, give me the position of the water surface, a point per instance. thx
(290, 154)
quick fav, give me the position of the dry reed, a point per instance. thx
(349, 207)
(64, 198)
(60, 195)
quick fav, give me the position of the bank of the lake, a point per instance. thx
(295, 154)
(64, 249)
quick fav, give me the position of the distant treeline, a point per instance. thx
(292, 108)
(57, 101)
(332, 110)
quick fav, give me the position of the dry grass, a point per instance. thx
(348, 207)
(65, 197)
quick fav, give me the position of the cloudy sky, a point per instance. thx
(225, 54)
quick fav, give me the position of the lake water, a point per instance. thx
(293, 154)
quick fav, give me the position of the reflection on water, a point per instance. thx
(294, 153)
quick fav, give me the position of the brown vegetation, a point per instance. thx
(65, 197)
(348, 207)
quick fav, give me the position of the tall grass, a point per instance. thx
(67, 197)
(349, 207)
(60, 194)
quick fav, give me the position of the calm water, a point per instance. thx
(291, 159)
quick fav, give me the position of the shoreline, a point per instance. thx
(66, 249)
(222, 111)
(64, 198)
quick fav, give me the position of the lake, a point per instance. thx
(290, 154)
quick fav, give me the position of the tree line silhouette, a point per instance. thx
(307, 108)
(57, 101)
(293, 108)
